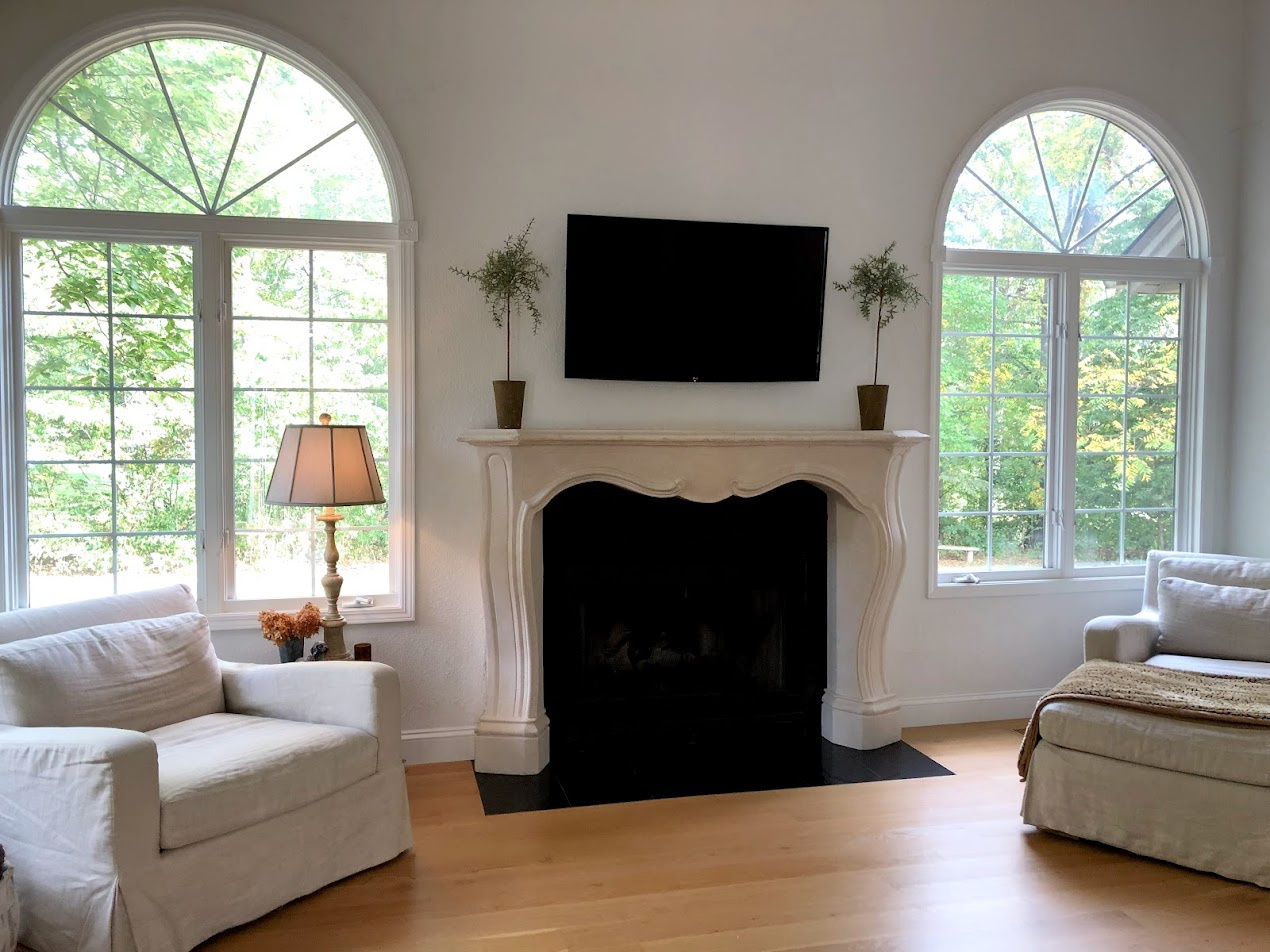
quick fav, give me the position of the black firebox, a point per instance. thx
(684, 639)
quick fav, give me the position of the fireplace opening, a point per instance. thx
(684, 643)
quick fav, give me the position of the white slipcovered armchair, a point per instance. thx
(152, 795)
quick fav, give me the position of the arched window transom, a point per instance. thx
(1067, 182)
(200, 125)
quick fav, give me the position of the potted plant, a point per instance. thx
(882, 287)
(288, 631)
(509, 279)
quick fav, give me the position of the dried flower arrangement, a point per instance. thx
(281, 626)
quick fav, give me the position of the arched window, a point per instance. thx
(208, 247)
(1069, 287)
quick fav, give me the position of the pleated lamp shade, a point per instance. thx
(324, 465)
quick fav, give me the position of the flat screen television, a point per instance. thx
(657, 299)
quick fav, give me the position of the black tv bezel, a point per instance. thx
(570, 369)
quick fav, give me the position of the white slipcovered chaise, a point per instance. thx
(1193, 792)
(152, 795)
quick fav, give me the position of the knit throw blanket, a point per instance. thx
(1144, 687)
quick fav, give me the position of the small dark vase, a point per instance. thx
(509, 403)
(872, 397)
(291, 650)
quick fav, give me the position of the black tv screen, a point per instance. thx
(656, 299)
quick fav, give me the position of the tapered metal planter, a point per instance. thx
(509, 403)
(291, 650)
(872, 397)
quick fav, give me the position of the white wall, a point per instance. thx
(1250, 419)
(847, 113)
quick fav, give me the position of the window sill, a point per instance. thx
(1037, 586)
(248, 621)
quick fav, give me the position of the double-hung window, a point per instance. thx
(201, 246)
(1068, 304)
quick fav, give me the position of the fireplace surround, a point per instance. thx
(522, 470)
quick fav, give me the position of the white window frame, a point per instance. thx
(212, 238)
(1066, 272)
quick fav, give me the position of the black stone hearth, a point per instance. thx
(610, 781)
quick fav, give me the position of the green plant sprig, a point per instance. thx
(882, 286)
(510, 278)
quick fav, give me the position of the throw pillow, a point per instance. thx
(1245, 573)
(1214, 621)
(134, 675)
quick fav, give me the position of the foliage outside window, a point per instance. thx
(994, 420)
(316, 342)
(1126, 420)
(127, 484)
(1059, 373)
(108, 334)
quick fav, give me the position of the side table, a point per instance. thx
(8, 910)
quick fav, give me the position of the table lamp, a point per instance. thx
(323, 465)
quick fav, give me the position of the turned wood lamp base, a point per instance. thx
(332, 621)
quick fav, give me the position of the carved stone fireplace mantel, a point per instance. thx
(521, 470)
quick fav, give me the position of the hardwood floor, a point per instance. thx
(930, 865)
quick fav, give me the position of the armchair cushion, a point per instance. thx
(1214, 621)
(1226, 751)
(134, 675)
(1240, 669)
(222, 772)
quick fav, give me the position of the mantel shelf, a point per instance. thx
(692, 437)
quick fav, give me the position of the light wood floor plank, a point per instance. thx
(941, 864)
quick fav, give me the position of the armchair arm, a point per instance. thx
(79, 798)
(360, 694)
(1122, 637)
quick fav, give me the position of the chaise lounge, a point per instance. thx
(1195, 792)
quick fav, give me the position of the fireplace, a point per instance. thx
(522, 471)
(677, 630)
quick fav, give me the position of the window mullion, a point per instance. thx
(992, 428)
(1187, 429)
(210, 367)
(1124, 422)
(13, 580)
(1056, 415)
(401, 351)
(1063, 434)
(113, 403)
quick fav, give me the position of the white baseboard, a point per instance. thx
(968, 708)
(438, 745)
